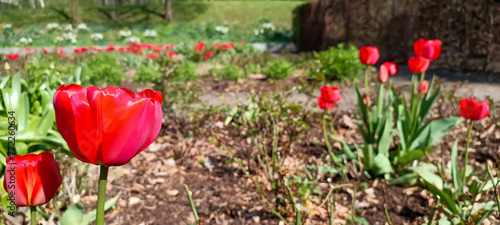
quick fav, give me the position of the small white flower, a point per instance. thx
(71, 37)
(68, 27)
(96, 36)
(150, 33)
(25, 41)
(222, 29)
(51, 26)
(124, 33)
(59, 38)
(269, 26)
(82, 26)
(7, 26)
(256, 32)
(133, 39)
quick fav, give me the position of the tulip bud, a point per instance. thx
(489, 163)
(424, 87)
(7, 66)
(383, 74)
(366, 100)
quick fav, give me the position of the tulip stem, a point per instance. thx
(33, 215)
(467, 153)
(101, 197)
(366, 79)
(422, 77)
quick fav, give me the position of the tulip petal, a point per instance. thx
(88, 123)
(125, 117)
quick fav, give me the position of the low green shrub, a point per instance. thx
(228, 72)
(146, 74)
(279, 69)
(339, 63)
(102, 69)
(183, 72)
(253, 68)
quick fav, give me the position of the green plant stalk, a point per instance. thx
(259, 190)
(298, 217)
(193, 208)
(469, 131)
(331, 208)
(387, 216)
(328, 146)
(367, 72)
(431, 217)
(422, 77)
(101, 197)
(33, 215)
(495, 186)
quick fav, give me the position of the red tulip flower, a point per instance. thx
(45, 51)
(430, 49)
(208, 55)
(392, 68)
(329, 96)
(12, 56)
(110, 126)
(418, 64)
(152, 56)
(200, 46)
(424, 87)
(111, 47)
(369, 55)
(157, 50)
(325, 105)
(241, 42)
(33, 179)
(383, 74)
(474, 110)
(170, 54)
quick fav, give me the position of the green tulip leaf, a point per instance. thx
(73, 215)
(90, 217)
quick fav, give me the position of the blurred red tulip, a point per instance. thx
(330, 94)
(241, 42)
(325, 105)
(32, 179)
(474, 110)
(12, 56)
(430, 49)
(369, 55)
(383, 74)
(109, 126)
(208, 55)
(45, 50)
(392, 68)
(200, 46)
(170, 54)
(157, 50)
(152, 56)
(424, 87)
(418, 64)
(111, 47)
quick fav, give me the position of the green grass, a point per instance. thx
(243, 14)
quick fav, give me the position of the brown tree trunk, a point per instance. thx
(168, 10)
(113, 9)
(73, 11)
